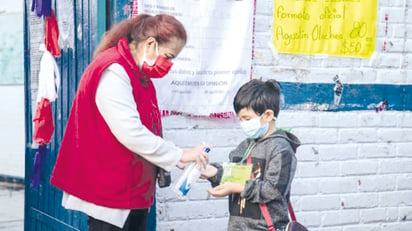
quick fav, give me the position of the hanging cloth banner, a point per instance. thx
(38, 163)
(41, 7)
(216, 60)
(51, 34)
(333, 27)
(134, 7)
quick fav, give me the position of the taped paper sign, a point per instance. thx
(333, 27)
(216, 60)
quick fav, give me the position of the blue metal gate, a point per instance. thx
(43, 210)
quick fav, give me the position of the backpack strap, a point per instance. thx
(266, 215)
(291, 212)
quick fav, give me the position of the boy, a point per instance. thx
(272, 153)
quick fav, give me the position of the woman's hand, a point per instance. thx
(226, 189)
(197, 154)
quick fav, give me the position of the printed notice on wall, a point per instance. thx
(333, 27)
(216, 60)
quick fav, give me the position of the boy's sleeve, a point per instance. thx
(215, 181)
(276, 179)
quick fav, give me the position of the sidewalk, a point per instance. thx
(11, 206)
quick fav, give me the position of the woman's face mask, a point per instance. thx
(253, 129)
(156, 68)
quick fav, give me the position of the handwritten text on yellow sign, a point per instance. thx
(333, 27)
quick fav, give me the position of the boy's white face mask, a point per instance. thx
(253, 129)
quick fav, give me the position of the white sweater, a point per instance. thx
(115, 102)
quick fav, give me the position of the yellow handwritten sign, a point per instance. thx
(334, 27)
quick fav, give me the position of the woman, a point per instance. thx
(112, 145)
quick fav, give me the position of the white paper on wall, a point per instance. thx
(217, 57)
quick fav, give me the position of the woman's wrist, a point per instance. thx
(187, 156)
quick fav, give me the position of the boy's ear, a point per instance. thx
(268, 115)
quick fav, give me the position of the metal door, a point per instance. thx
(78, 25)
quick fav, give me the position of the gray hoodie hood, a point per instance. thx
(282, 134)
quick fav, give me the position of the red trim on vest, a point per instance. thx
(91, 163)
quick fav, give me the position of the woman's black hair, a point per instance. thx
(259, 96)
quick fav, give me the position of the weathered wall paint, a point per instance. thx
(11, 47)
(11, 89)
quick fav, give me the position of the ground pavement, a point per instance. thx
(11, 206)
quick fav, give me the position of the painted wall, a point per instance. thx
(11, 89)
(12, 131)
(11, 42)
(355, 167)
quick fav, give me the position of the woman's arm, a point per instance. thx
(115, 102)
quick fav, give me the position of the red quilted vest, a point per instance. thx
(91, 163)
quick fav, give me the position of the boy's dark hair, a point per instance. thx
(258, 96)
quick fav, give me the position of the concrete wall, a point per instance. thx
(354, 171)
(12, 131)
(11, 89)
(11, 42)
(354, 167)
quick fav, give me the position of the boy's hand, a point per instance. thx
(208, 172)
(226, 189)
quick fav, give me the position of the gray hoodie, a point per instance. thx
(274, 165)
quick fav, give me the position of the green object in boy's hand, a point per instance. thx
(235, 173)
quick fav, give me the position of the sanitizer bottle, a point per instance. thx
(190, 175)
